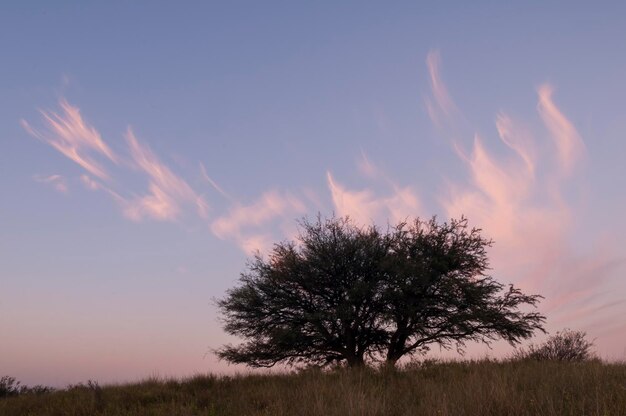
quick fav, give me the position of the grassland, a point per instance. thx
(454, 388)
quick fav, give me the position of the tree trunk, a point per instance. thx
(395, 350)
(355, 361)
(391, 362)
(396, 345)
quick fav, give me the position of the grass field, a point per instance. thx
(453, 388)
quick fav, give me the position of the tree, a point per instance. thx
(343, 293)
(439, 292)
(316, 302)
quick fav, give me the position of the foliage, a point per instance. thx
(566, 345)
(318, 302)
(343, 293)
(439, 292)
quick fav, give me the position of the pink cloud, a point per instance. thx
(93, 185)
(586, 277)
(441, 105)
(518, 199)
(214, 184)
(439, 89)
(73, 137)
(89, 183)
(570, 146)
(519, 139)
(525, 215)
(366, 167)
(242, 223)
(365, 207)
(167, 191)
(251, 244)
(56, 181)
(157, 205)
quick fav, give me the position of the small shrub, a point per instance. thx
(36, 390)
(9, 386)
(567, 345)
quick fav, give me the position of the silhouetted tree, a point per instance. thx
(316, 302)
(438, 291)
(343, 293)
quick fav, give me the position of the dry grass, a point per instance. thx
(456, 388)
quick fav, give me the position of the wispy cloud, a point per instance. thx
(366, 167)
(519, 139)
(214, 184)
(247, 224)
(571, 148)
(89, 183)
(365, 207)
(525, 215)
(167, 192)
(68, 133)
(56, 181)
(519, 199)
(93, 185)
(440, 105)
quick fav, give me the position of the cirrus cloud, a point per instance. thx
(72, 136)
(167, 193)
(56, 181)
(523, 200)
(247, 224)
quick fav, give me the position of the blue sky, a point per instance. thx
(202, 131)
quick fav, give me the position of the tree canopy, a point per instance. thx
(344, 293)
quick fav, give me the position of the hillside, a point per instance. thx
(454, 388)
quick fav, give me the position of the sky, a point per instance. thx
(147, 149)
